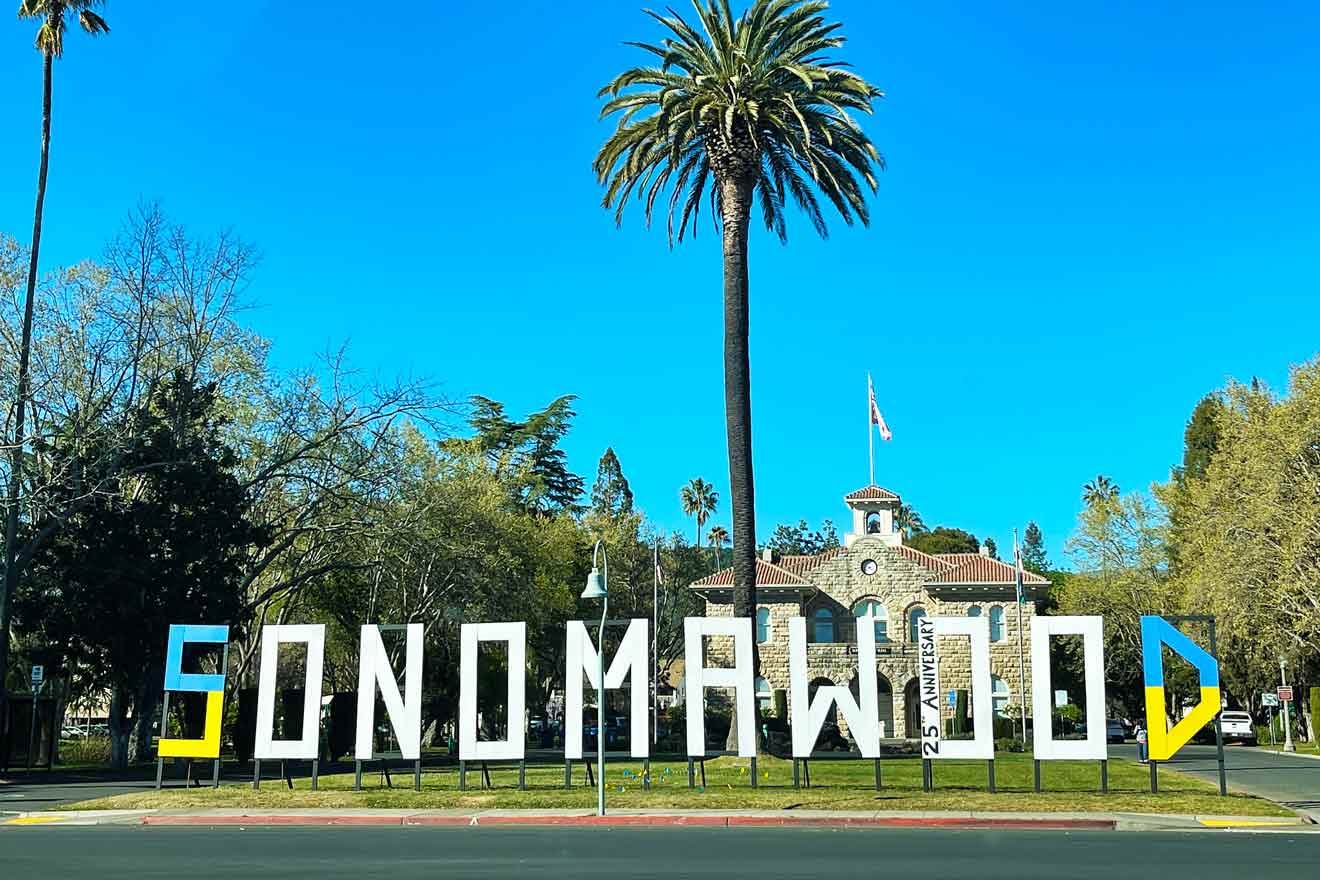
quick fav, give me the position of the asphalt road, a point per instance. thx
(728, 854)
(1291, 780)
(24, 792)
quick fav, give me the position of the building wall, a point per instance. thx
(899, 585)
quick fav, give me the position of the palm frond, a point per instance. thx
(758, 97)
(53, 15)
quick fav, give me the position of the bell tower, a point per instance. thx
(874, 511)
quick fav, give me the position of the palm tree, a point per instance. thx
(908, 521)
(1100, 490)
(53, 15)
(700, 500)
(756, 108)
(718, 536)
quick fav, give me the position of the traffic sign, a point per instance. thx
(38, 675)
(953, 699)
(1285, 693)
(1270, 700)
(1060, 698)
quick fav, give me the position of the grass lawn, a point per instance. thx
(836, 785)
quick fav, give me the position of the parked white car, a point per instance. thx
(1238, 727)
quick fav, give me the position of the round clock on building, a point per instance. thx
(869, 567)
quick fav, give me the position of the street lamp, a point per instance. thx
(1287, 722)
(598, 588)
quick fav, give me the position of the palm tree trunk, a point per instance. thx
(736, 198)
(20, 405)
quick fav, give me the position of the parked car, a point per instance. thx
(1115, 731)
(1238, 727)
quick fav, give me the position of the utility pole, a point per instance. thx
(1288, 745)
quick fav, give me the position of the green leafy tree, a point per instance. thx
(801, 540)
(165, 542)
(1119, 551)
(1034, 557)
(758, 110)
(53, 17)
(1246, 533)
(610, 494)
(943, 539)
(699, 500)
(991, 548)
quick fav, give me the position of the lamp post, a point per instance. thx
(598, 588)
(1288, 745)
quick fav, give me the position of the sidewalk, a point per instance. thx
(637, 818)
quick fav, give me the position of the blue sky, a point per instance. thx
(1093, 214)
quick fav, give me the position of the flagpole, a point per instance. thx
(870, 435)
(1022, 664)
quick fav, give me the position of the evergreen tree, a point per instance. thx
(530, 450)
(610, 495)
(991, 548)
(1034, 557)
(1201, 438)
(165, 542)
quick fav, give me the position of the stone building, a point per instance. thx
(875, 574)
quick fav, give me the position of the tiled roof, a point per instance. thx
(767, 575)
(973, 568)
(871, 493)
(801, 565)
(925, 560)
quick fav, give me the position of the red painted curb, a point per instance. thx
(707, 821)
(915, 822)
(438, 820)
(648, 821)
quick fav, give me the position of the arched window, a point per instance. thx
(999, 696)
(875, 609)
(974, 611)
(822, 625)
(762, 625)
(765, 697)
(997, 623)
(915, 614)
(873, 523)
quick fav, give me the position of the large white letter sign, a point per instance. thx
(1045, 746)
(515, 747)
(700, 676)
(933, 743)
(808, 715)
(266, 748)
(405, 715)
(581, 658)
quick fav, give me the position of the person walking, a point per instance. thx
(1142, 752)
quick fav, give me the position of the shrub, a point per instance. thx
(1009, 744)
(85, 750)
